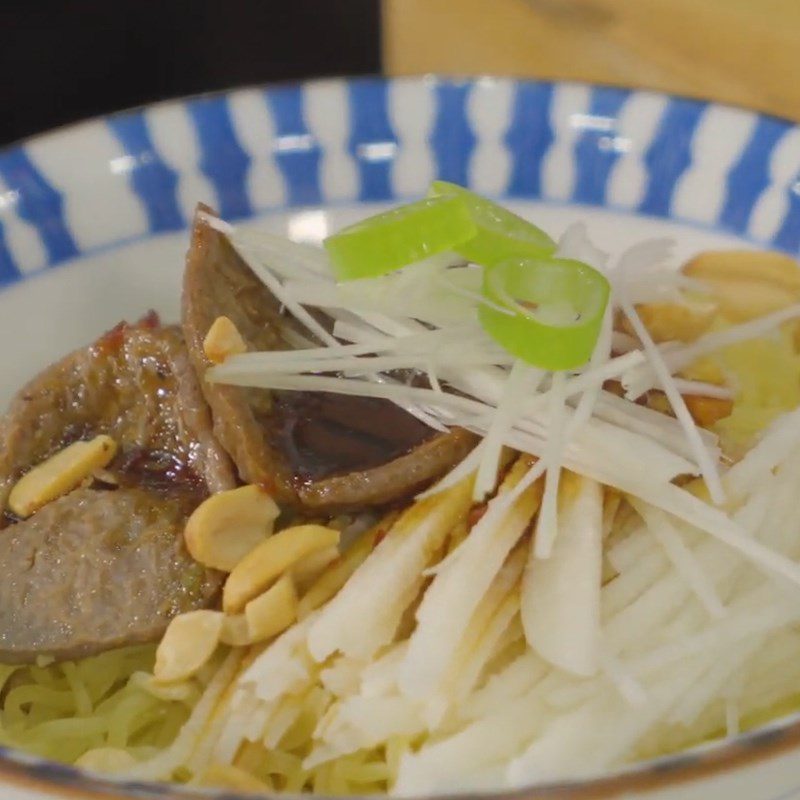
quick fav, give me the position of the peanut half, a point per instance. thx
(60, 474)
(189, 642)
(224, 528)
(273, 611)
(266, 563)
(747, 283)
(223, 340)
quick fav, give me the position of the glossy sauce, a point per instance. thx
(322, 434)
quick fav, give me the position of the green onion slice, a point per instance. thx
(547, 312)
(501, 234)
(399, 237)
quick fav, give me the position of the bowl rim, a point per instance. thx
(774, 739)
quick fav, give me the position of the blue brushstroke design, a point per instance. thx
(788, 235)
(596, 149)
(38, 203)
(154, 183)
(748, 178)
(670, 154)
(372, 143)
(9, 271)
(529, 137)
(452, 138)
(297, 152)
(223, 160)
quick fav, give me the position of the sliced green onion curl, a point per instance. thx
(400, 237)
(501, 234)
(554, 308)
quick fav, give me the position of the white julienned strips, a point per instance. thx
(568, 115)
(664, 657)
(522, 379)
(561, 594)
(707, 466)
(719, 139)
(324, 106)
(547, 520)
(772, 206)
(681, 556)
(107, 210)
(175, 139)
(457, 589)
(255, 128)
(412, 109)
(22, 239)
(391, 576)
(489, 109)
(637, 122)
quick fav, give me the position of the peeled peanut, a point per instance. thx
(60, 474)
(189, 642)
(273, 611)
(270, 559)
(235, 631)
(681, 322)
(308, 569)
(223, 340)
(747, 283)
(223, 529)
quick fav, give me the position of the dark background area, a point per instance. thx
(64, 61)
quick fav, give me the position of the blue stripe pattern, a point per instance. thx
(38, 203)
(9, 271)
(222, 159)
(452, 138)
(670, 154)
(35, 200)
(596, 149)
(788, 235)
(750, 175)
(153, 181)
(529, 137)
(297, 152)
(373, 143)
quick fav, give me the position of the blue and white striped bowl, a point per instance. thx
(108, 201)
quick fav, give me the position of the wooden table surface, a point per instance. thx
(745, 52)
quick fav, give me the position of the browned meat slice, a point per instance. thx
(107, 565)
(323, 452)
(95, 570)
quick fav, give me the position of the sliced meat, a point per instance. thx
(321, 452)
(95, 570)
(107, 565)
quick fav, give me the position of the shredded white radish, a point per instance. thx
(501, 677)
(561, 594)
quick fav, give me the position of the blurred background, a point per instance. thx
(64, 60)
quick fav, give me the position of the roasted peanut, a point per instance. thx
(60, 474)
(272, 612)
(235, 631)
(308, 569)
(222, 341)
(224, 528)
(189, 642)
(682, 322)
(747, 283)
(270, 559)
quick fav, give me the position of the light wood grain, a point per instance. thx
(745, 52)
